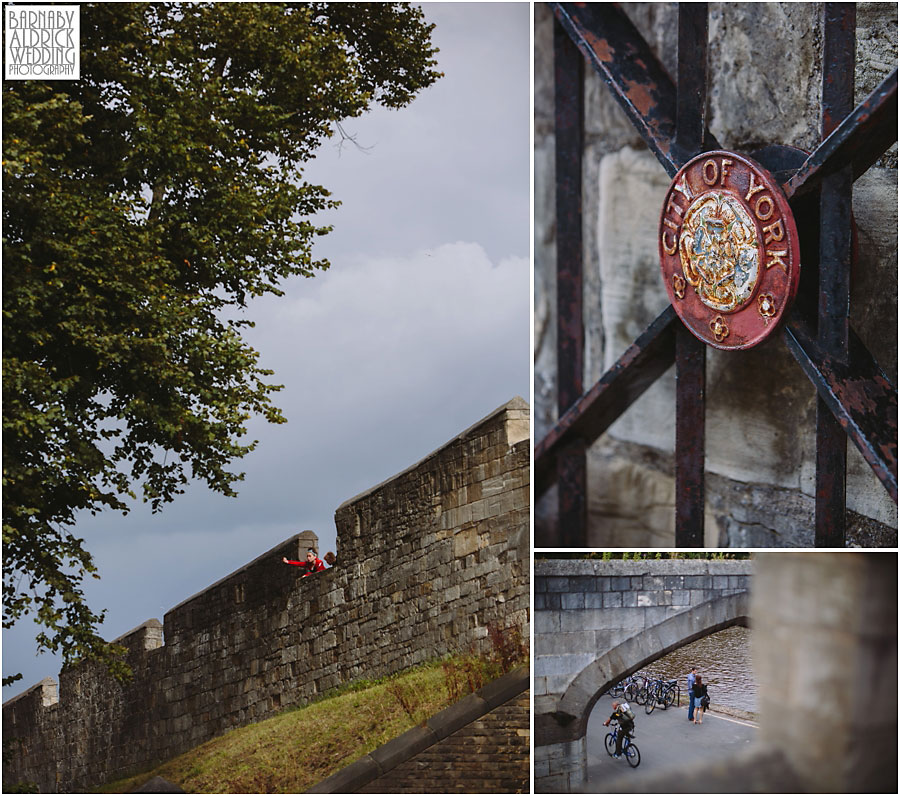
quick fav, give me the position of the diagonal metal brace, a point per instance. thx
(858, 141)
(858, 394)
(646, 359)
(616, 50)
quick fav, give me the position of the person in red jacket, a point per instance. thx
(312, 564)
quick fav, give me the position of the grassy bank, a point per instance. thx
(292, 751)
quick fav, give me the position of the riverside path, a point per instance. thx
(666, 740)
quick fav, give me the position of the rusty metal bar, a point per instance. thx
(858, 141)
(613, 46)
(690, 438)
(857, 393)
(569, 110)
(839, 22)
(645, 360)
(835, 242)
(690, 353)
(572, 478)
(690, 121)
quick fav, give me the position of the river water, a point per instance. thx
(723, 660)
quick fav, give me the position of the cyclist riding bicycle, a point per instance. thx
(623, 714)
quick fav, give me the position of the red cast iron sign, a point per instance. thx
(728, 249)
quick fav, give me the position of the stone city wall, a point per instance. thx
(425, 561)
(765, 81)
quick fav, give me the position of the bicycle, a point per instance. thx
(630, 685)
(660, 693)
(634, 685)
(631, 753)
(649, 693)
(636, 690)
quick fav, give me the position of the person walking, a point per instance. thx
(701, 699)
(692, 675)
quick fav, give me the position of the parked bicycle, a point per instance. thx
(659, 693)
(633, 689)
(628, 687)
(629, 751)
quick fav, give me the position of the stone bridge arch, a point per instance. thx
(596, 621)
(642, 649)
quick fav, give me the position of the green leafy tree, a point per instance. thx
(144, 206)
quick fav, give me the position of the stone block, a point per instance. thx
(573, 601)
(612, 600)
(577, 621)
(697, 582)
(400, 749)
(546, 622)
(505, 688)
(582, 583)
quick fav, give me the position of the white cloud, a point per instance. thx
(401, 330)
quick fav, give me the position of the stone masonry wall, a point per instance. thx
(490, 755)
(764, 88)
(425, 561)
(584, 608)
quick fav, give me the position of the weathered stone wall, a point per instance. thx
(765, 84)
(490, 755)
(425, 561)
(825, 652)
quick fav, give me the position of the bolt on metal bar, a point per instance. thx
(569, 111)
(839, 21)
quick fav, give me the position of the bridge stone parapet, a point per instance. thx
(596, 621)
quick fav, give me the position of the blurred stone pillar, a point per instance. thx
(825, 654)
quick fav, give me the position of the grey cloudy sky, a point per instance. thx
(419, 329)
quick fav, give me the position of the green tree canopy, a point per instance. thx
(144, 205)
